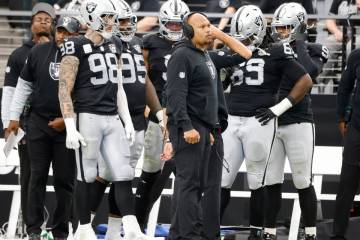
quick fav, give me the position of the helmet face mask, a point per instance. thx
(126, 28)
(171, 16)
(248, 25)
(126, 22)
(100, 16)
(287, 20)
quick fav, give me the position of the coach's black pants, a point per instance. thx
(191, 161)
(47, 146)
(211, 198)
(349, 182)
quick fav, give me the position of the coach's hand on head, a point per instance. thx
(192, 136)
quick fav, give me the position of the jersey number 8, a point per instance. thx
(107, 66)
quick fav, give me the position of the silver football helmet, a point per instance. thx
(249, 26)
(290, 16)
(171, 16)
(100, 16)
(126, 21)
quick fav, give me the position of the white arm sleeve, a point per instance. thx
(22, 93)
(7, 96)
(122, 103)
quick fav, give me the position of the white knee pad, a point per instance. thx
(301, 181)
(86, 161)
(255, 164)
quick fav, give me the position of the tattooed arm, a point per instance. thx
(68, 70)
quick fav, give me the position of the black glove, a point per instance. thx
(301, 32)
(264, 115)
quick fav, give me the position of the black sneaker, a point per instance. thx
(310, 237)
(34, 236)
(255, 234)
(268, 236)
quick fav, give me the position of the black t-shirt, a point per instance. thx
(269, 6)
(144, 5)
(42, 69)
(255, 83)
(96, 84)
(160, 50)
(350, 78)
(134, 72)
(302, 111)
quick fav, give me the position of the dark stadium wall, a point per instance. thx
(326, 135)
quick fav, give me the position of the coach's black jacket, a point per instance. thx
(192, 85)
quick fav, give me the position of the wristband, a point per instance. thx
(282, 106)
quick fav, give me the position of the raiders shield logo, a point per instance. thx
(301, 17)
(54, 70)
(211, 69)
(90, 7)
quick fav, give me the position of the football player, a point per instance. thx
(157, 52)
(139, 91)
(253, 109)
(92, 98)
(295, 136)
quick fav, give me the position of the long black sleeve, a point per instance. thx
(347, 83)
(177, 90)
(223, 59)
(312, 65)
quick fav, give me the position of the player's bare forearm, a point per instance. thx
(302, 86)
(67, 75)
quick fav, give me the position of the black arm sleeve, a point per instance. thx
(291, 69)
(347, 84)
(312, 65)
(178, 72)
(12, 71)
(222, 59)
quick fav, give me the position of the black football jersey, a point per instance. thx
(134, 72)
(255, 82)
(159, 54)
(302, 111)
(96, 84)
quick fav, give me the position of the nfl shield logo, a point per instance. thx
(54, 70)
(112, 48)
(137, 48)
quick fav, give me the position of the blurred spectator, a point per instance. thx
(19, 5)
(341, 8)
(333, 38)
(226, 7)
(269, 6)
(145, 23)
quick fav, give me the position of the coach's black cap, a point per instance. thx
(43, 7)
(71, 24)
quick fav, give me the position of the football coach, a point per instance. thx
(192, 108)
